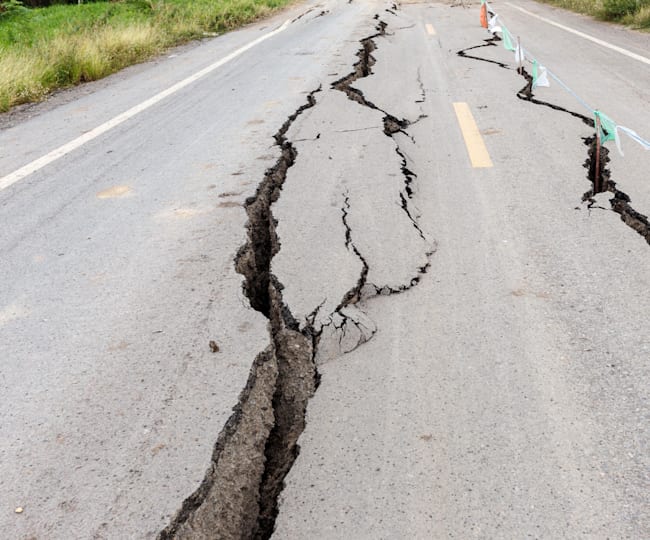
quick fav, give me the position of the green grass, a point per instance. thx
(44, 49)
(634, 13)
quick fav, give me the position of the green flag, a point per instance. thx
(607, 127)
(507, 40)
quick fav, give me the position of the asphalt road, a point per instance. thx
(480, 334)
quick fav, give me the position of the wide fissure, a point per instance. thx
(238, 497)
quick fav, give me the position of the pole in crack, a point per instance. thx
(597, 180)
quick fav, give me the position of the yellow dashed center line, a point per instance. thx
(430, 29)
(476, 148)
(114, 192)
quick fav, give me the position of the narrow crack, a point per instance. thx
(599, 175)
(354, 294)
(386, 290)
(409, 178)
(348, 319)
(423, 93)
(238, 497)
(392, 125)
(302, 15)
(362, 68)
(354, 130)
(490, 42)
(405, 207)
(526, 94)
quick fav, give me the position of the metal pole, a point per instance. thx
(598, 188)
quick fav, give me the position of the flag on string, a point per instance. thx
(493, 27)
(634, 136)
(520, 54)
(540, 76)
(607, 127)
(608, 130)
(507, 40)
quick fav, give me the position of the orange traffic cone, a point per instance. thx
(484, 21)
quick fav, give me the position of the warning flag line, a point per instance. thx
(609, 129)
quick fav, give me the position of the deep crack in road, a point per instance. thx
(417, 343)
(239, 496)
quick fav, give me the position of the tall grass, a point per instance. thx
(49, 48)
(634, 13)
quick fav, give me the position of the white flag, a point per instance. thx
(520, 54)
(493, 27)
(632, 135)
(540, 75)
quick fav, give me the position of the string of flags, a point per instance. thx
(609, 129)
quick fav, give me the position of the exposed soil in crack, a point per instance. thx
(238, 496)
(620, 202)
(254, 258)
(226, 504)
(599, 175)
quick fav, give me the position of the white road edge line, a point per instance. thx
(61, 151)
(606, 44)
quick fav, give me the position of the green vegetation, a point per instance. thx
(634, 13)
(42, 49)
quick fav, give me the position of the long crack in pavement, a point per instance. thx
(596, 163)
(254, 451)
(238, 497)
(392, 125)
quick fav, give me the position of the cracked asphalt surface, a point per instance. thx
(413, 347)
